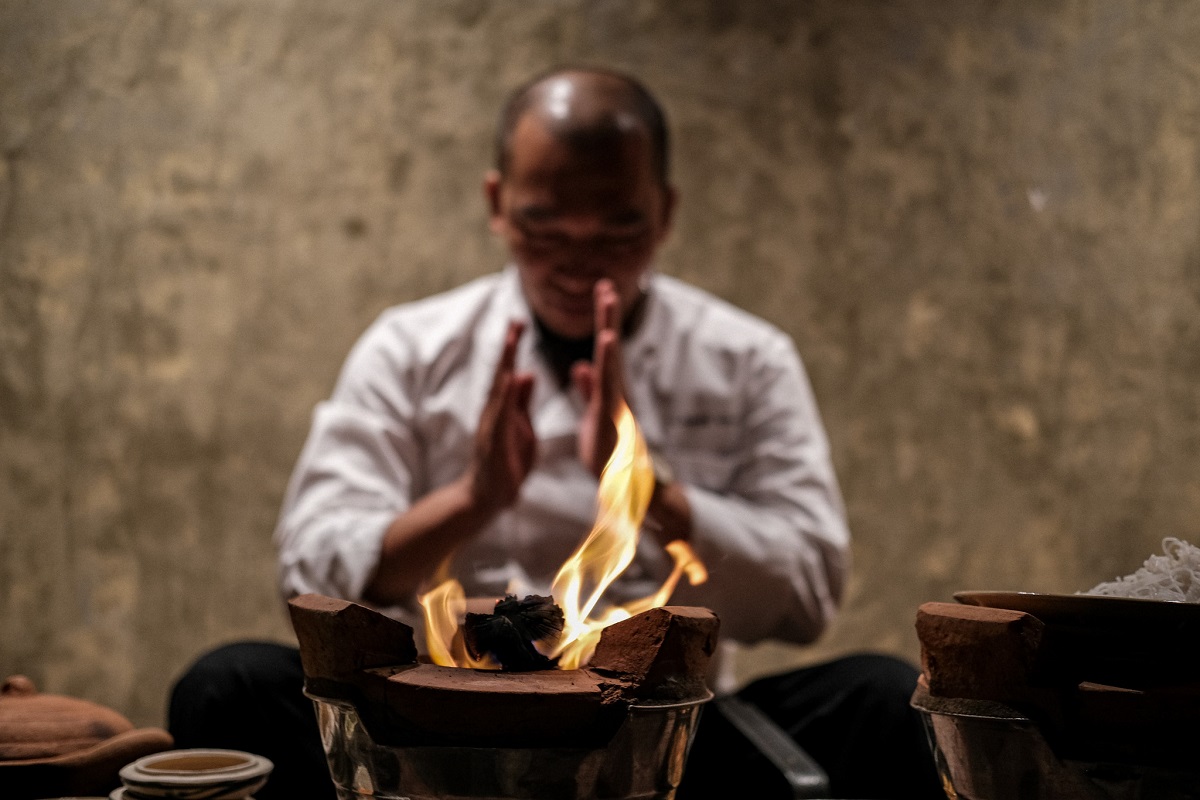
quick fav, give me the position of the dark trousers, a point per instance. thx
(851, 715)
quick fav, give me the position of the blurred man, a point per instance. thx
(473, 426)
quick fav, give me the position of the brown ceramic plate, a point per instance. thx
(1092, 610)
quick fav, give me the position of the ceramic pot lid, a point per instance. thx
(35, 725)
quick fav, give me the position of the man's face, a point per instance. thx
(571, 218)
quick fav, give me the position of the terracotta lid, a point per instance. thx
(55, 746)
(35, 725)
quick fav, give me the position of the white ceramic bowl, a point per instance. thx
(195, 775)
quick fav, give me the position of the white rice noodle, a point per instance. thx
(1173, 576)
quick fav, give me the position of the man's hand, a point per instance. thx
(601, 382)
(505, 446)
(423, 537)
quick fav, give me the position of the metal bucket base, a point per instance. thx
(982, 757)
(645, 759)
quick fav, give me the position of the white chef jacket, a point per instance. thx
(720, 395)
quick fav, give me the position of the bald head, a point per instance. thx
(593, 111)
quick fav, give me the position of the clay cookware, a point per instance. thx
(51, 745)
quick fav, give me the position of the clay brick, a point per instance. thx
(661, 654)
(338, 639)
(977, 652)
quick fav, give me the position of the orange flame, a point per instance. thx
(626, 485)
(445, 606)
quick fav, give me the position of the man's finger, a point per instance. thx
(515, 436)
(582, 376)
(512, 410)
(608, 306)
(524, 391)
(494, 408)
(508, 355)
(608, 369)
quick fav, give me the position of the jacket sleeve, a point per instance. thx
(358, 471)
(773, 534)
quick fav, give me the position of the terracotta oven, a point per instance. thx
(396, 727)
(1069, 697)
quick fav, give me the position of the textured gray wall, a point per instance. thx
(978, 220)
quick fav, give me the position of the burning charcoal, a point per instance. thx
(508, 634)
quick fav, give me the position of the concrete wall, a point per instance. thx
(978, 220)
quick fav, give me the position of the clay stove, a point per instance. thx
(394, 727)
(1061, 697)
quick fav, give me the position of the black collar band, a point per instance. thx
(562, 352)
